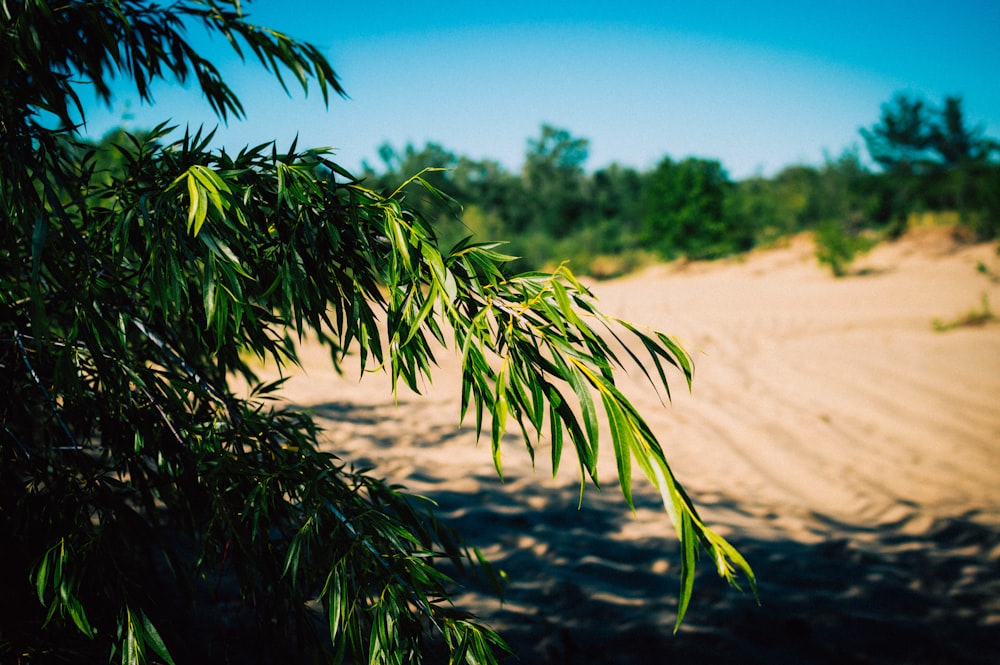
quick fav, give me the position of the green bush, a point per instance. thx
(837, 248)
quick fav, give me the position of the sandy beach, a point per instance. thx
(846, 447)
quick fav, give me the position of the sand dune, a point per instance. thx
(846, 447)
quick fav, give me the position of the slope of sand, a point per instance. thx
(849, 450)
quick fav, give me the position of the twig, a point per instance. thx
(74, 445)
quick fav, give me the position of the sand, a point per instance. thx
(846, 447)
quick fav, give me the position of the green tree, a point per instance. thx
(955, 142)
(433, 159)
(797, 189)
(902, 143)
(848, 206)
(849, 193)
(488, 186)
(686, 210)
(439, 203)
(837, 246)
(554, 181)
(933, 159)
(903, 139)
(768, 209)
(617, 207)
(753, 201)
(135, 486)
(967, 177)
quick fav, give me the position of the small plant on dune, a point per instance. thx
(984, 269)
(135, 487)
(837, 248)
(974, 317)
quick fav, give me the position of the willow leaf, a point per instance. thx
(622, 438)
(153, 639)
(589, 413)
(198, 208)
(689, 545)
(680, 355)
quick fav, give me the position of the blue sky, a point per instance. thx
(758, 86)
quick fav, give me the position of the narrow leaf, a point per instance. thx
(689, 543)
(154, 640)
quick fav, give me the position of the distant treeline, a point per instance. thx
(930, 162)
(605, 222)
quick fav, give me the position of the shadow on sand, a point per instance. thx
(584, 587)
(579, 594)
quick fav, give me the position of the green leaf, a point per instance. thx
(42, 578)
(76, 612)
(689, 544)
(132, 648)
(574, 377)
(425, 310)
(680, 355)
(198, 208)
(499, 413)
(153, 639)
(224, 252)
(209, 290)
(555, 428)
(623, 439)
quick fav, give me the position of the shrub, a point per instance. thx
(837, 248)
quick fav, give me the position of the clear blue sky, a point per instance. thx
(756, 85)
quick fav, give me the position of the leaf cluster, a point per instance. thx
(147, 509)
(49, 44)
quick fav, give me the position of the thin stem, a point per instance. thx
(74, 445)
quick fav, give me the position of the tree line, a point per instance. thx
(927, 158)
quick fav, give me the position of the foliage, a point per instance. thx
(686, 211)
(974, 317)
(837, 247)
(553, 186)
(984, 269)
(147, 511)
(849, 205)
(904, 138)
(933, 159)
(435, 163)
(774, 208)
(552, 210)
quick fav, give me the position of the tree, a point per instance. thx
(554, 180)
(849, 206)
(755, 201)
(837, 246)
(849, 192)
(903, 140)
(956, 143)
(902, 144)
(135, 485)
(967, 175)
(686, 212)
(487, 185)
(617, 206)
(934, 159)
(433, 159)
(437, 203)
